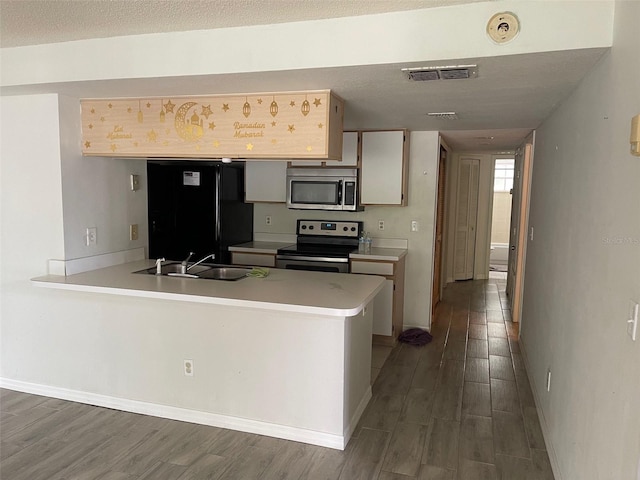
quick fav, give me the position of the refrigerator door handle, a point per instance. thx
(217, 205)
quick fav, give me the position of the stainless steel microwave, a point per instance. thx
(323, 189)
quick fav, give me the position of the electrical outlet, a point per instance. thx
(188, 368)
(380, 224)
(91, 237)
(267, 220)
(414, 226)
(133, 231)
(549, 380)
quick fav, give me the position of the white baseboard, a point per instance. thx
(553, 458)
(192, 416)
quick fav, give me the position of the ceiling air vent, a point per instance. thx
(444, 115)
(441, 73)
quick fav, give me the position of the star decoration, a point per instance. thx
(291, 128)
(309, 148)
(152, 136)
(225, 106)
(87, 144)
(320, 125)
(110, 106)
(293, 103)
(259, 101)
(90, 126)
(249, 146)
(274, 141)
(93, 110)
(113, 147)
(129, 110)
(168, 107)
(148, 105)
(212, 125)
(135, 144)
(216, 144)
(317, 102)
(206, 111)
(273, 124)
(102, 119)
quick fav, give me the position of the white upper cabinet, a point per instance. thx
(384, 168)
(266, 181)
(349, 151)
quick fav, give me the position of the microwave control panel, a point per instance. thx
(329, 229)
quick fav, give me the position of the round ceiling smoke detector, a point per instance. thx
(503, 27)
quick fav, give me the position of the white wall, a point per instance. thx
(582, 269)
(423, 164)
(31, 193)
(417, 35)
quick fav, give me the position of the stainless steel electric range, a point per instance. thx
(321, 246)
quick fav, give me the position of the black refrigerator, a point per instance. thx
(196, 206)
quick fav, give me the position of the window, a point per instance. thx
(503, 177)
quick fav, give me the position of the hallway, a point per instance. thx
(461, 407)
(458, 408)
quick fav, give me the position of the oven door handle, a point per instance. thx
(312, 259)
(340, 187)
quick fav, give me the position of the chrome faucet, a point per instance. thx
(159, 265)
(185, 263)
(212, 256)
(185, 267)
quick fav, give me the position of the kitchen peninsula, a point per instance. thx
(287, 356)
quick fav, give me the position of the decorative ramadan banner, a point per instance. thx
(268, 125)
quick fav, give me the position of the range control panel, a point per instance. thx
(329, 229)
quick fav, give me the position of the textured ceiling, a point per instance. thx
(512, 95)
(32, 22)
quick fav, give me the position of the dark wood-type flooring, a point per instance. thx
(459, 408)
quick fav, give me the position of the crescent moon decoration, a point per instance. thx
(186, 131)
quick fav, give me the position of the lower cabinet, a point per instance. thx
(388, 305)
(253, 259)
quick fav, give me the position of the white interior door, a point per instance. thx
(466, 218)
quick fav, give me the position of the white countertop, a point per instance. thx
(377, 253)
(334, 294)
(259, 247)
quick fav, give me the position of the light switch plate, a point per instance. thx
(135, 182)
(632, 322)
(133, 232)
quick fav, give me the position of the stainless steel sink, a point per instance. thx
(225, 273)
(208, 272)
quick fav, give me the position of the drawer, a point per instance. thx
(253, 259)
(372, 268)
